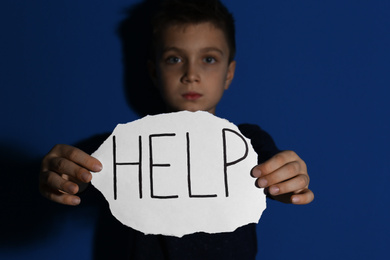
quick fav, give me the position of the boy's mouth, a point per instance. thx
(191, 96)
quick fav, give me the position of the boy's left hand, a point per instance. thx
(284, 178)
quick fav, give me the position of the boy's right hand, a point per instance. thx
(65, 171)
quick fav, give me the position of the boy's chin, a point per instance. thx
(191, 109)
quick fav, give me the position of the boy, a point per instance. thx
(192, 64)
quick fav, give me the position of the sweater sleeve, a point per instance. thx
(261, 141)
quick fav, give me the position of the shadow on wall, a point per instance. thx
(26, 217)
(135, 34)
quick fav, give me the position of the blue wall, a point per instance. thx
(314, 74)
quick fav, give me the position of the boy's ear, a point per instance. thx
(230, 73)
(152, 72)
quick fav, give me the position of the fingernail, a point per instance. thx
(76, 201)
(97, 167)
(263, 183)
(274, 190)
(256, 173)
(295, 199)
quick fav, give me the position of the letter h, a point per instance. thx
(139, 163)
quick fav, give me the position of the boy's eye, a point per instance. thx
(173, 60)
(209, 60)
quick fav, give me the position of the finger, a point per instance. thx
(63, 166)
(296, 184)
(77, 156)
(53, 181)
(304, 197)
(59, 197)
(56, 188)
(275, 163)
(286, 172)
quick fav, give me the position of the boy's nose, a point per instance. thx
(191, 74)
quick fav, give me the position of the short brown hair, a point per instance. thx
(178, 12)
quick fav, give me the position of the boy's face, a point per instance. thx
(192, 68)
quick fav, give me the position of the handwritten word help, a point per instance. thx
(179, 173)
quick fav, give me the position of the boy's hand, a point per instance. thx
(284, 178)
(64, 172)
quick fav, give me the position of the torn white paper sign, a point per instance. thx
(179, 173)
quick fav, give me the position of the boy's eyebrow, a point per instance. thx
(207, 49)
(213, 49)
(171, 49)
